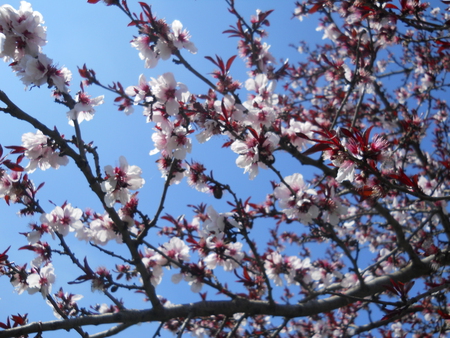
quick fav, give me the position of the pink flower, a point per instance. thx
(22, 31)
(42, 280)
(176, 249)
(146, 51)
(180, 37)
(253, 151)
(84, 108)
(120, 180)
(277, 265)
(297, 202)
(166, 91)
(41, 152)
(141, 92)
(102, 230)
(63, 219)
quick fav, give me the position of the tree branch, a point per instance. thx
(238, 305)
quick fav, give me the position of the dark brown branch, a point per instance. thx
(238, 305)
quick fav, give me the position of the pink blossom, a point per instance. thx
(119, 181)
(22, 31)
(165, 90)
(146, 52)
(84, 108)
(297, 202)
(41, 152)
(180, 38)
(42, 280)
(63, 219)
(252, 152)
(175, 249)
(226, 255)
(102, 230)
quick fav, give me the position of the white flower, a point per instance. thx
(102, 229)
(277, 265)
(180, 38)
(263, 88)
(172, 141)
(23, 31)
(166, 91)
(146, 52)
(84, 108)
(63, 219)
(176, 249)
(297, 202)
(141, 91)
(120, 180)
(41, 152)
(215, 222)
(226, 255)
(253, 151)
(42, 281)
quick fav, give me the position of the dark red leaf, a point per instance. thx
(12, 166)
(315, 8)
(391, 6)
(317, 147)
(229, 62)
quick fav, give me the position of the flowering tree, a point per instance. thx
(358, 248)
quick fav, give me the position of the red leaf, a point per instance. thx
(443, 314)
(367, 134)
(93, 1)
(317, 147)
(229, 62)
(212, 60)
(16, 149)
(315, 8)
(253, 131)
(347, 133)
(391, 6)
(227, 144)
(12, 166)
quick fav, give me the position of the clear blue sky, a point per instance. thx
(97, 35)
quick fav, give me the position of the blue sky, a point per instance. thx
(97, 35)
(79, 33)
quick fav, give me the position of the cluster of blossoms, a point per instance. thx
(38, 280)
(119, 181)
(160, 40)
(296, 199)
(84, 108)
(366, 201)
(22, 36)
(171, 254)
(42, 152)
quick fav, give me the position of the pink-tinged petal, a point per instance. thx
(346, 172)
